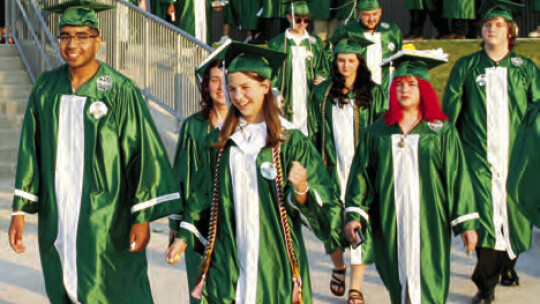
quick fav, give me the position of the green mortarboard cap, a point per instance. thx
(300, 8)
(416, 63)
(241, 57)
(499, 8)
(350, 43)
(79, 12)
(367, 5)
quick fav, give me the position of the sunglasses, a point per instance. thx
(300, 20)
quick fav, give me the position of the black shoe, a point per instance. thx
(484, 296)
(509, 278)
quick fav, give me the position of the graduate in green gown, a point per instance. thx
(194, 17)
(93, 168)
(190, 156)
(342, 107)
(305, 67)
(486, 98)
(386, 37)
(268, 182)
(524, 170)
(410, 182)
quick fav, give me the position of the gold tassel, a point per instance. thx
(197, 291)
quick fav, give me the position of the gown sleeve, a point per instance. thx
(453, 93)
(26, 194)
(322, 211)
(463, 213)
(360, 192)
(154, 191)
(322, 67)
(524, 172)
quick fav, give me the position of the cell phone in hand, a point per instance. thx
(359, 238)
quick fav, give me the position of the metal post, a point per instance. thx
(146, 53)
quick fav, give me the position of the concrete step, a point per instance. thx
(13, 106)
(15, 91)
(8, 50)
(11, 121)
(10, 138)
(7, 169)
(14, 77)
(11, 64)
(8, 155)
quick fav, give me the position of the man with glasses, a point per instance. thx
(386, 37)
(93, 168)
(305, 65)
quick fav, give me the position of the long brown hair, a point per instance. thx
(362, 84)
(206, 102)
(271, 113)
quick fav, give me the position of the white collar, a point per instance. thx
(250, 138)
(297, 40)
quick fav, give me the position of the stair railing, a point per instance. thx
(158, 56)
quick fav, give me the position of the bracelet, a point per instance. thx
(18, 213)
(301, 193)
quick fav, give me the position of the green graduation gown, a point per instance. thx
(387, 39)
(524, 172)
(487, 102)
(190, 159)
(159, 7)
(422, 4)
(91, 164)
(320, 9)
(322, 121)
(195, 17)
(412, 194)
(458, 9)
(294, 83)
(271, 279)
(243, 13)
(274, 9)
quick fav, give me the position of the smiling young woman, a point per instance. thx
(267, 181)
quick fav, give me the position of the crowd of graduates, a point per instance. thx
(262, 20)
(349, 140)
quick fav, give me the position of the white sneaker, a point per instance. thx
(535, 33)
(222, 40)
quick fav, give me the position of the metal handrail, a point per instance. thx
(159, 57)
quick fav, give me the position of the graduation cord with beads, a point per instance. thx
(295, 269)
(323, 113)
(212, 231)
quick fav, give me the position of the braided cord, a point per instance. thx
(323, 120)
(293, 260)
(356, 118)
(212, 229)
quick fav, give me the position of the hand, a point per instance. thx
(298, 177)
(470, 240)
(171, 12)
(15, 233)
(139, 236)
(350, 230)
(318, 80)
(175, 251)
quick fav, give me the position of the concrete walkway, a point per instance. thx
(21, 280)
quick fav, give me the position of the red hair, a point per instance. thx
(430, 104)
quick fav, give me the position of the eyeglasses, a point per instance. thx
(300, 20)
(79, 39)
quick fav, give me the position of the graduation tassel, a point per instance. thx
(212, 232)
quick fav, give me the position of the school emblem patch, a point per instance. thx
(104, 82)
(268, 170)
(516, 61)
(391, 46)
(481, 80)
(98, 109)
(385, 25)
(435, 125)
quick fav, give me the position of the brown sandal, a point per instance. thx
(355, 297)
(337, 285)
